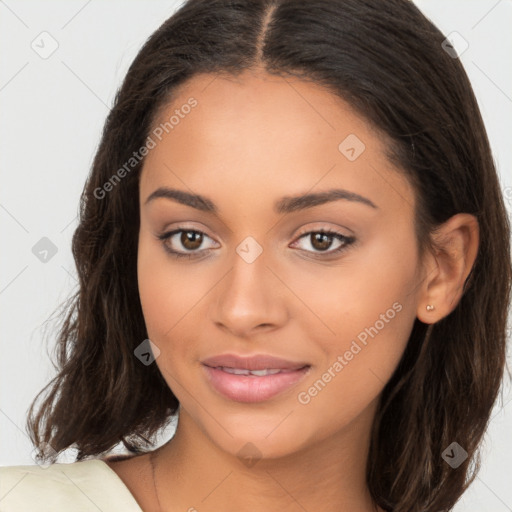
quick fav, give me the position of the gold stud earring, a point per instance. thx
(430, 307)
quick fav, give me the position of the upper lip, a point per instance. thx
(254, 362)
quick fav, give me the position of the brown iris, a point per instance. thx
(321, 241)
(191, 239)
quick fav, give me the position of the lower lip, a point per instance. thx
(251, 388)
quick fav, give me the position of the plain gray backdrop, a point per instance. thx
(61, 65)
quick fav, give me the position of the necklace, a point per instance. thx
(151, 461)
(154, 479)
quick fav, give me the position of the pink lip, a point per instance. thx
(255, 362)
(253, 388)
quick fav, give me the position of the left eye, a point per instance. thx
(321, 241)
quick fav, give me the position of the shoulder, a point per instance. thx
(79, 486)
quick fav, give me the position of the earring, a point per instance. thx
(430, 307)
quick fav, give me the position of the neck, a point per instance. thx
(328, 475)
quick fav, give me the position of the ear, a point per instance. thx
(456, 246)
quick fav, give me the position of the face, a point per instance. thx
(329, 282)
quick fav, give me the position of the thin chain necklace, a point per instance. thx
(154, 479)
(151, 461)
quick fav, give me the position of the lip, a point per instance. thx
(252, 388)
(254, 362)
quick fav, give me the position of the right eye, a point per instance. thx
(190, 239)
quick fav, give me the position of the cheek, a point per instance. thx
(380, 304)
(161, 289)
(345, 298)
(152, 283)
(370, 310)
(169, 296)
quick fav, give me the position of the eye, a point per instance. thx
(322, 240)
(190, 239)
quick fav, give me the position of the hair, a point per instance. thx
(386, 60)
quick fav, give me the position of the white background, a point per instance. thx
(53, 112)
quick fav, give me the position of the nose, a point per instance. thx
(250, 298)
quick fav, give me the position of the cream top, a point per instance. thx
(84, 486)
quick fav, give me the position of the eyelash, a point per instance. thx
(348, 240)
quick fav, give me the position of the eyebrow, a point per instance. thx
(286, 204)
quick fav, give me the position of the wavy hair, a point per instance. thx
(387, 61)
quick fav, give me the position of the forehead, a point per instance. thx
(264, 105)
(264, 133)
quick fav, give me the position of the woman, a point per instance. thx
(294, 240)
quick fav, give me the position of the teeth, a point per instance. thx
(258, 373)
(267, 371)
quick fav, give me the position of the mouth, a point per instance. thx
(244, 385)
(253, 362)
(256, 373)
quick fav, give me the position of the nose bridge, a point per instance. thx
(249, 295)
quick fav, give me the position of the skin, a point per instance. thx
(250, 141)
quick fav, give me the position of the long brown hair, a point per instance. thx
(386, 59)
